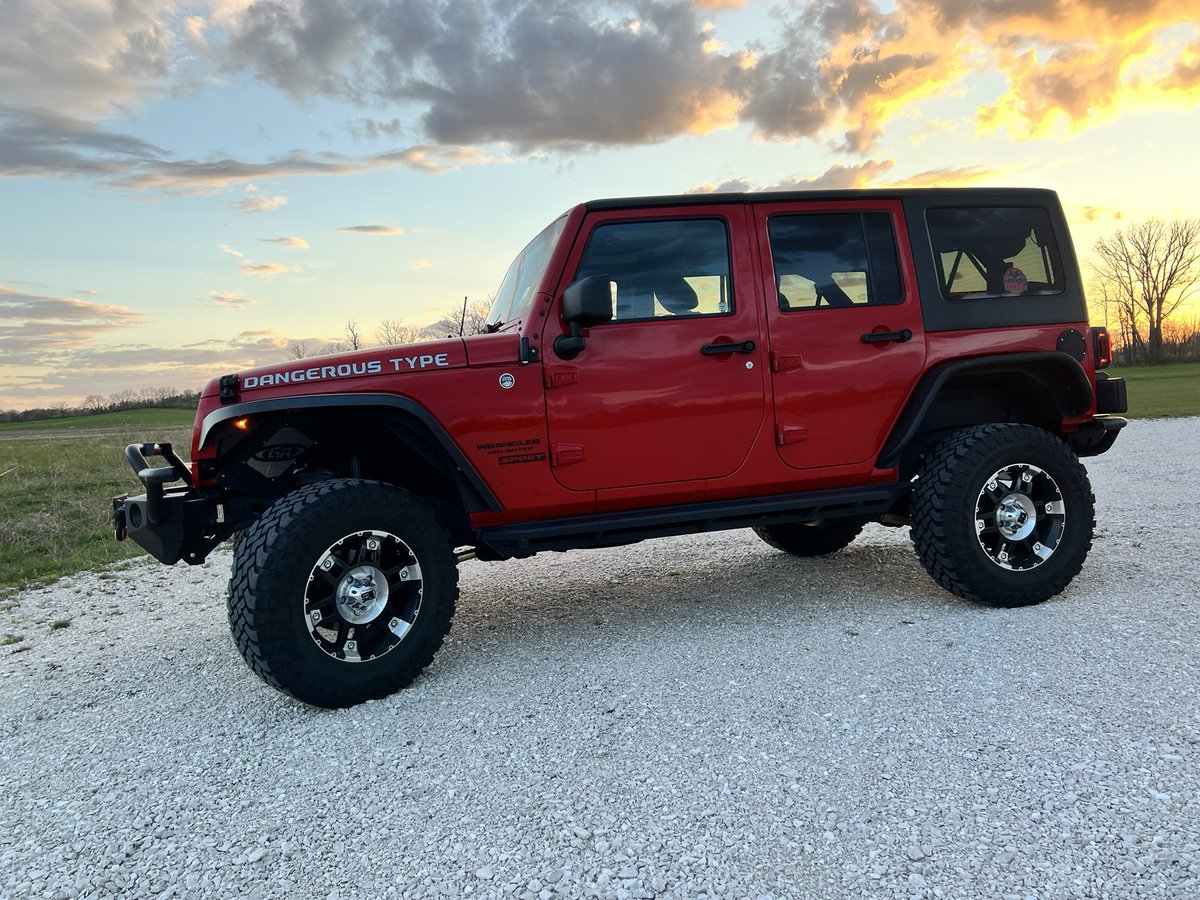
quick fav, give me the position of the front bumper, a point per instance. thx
(170, 521)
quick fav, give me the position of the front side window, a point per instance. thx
(830, 260)
(662, 269)
(995, 252)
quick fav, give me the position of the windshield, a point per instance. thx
(523, 277)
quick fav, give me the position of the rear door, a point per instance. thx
(847, 344)
(673, 388)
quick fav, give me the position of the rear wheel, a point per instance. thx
(342, 592)
(1003, 514)
(813, 538)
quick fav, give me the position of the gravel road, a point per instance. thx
(689, 717)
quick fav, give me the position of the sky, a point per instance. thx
(186, 189)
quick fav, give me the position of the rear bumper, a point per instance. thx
(1096, 436)
(170, 521)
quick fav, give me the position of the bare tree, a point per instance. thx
(300, 350)
(393, 331)
(125, 399)
(473, 321)
(351, 333)
(1147, 272)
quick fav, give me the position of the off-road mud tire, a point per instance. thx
(946, 501)
(273, 560)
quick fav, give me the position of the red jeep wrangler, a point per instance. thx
(796, 363)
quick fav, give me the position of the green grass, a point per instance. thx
(55, 498)
(1162, 391)
(129, 418)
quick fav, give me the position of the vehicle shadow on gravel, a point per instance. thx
(678, 585)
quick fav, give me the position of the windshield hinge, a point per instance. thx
(528, 352)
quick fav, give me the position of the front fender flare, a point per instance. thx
(423, 416)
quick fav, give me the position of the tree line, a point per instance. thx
(146, 398)
(465, 319)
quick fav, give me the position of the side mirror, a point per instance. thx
(586, 302)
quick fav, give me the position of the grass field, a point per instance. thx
(55, 492)
(1162, 391)
(129, 418)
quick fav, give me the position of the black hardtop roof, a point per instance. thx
(956, 194)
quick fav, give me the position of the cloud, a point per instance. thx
(297, 243)
(69, 374)
(1096, 214)
(1185, 74)
(227, 300)
(82, 57)
(373, 130)
(567, 74)
(540, 73)
(952, 176)
(256, 202)
(836, 177)
(373, 229)
(869, 174)
(266, 269)
(46, 144)
(35, 326)
(420, 264)
(232, 251)
(558, 74)
(41, 142)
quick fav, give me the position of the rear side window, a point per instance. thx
(989, 251)
(662, 269)
(830, 260)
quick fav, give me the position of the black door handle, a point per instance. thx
(879, 337)
(718, 349)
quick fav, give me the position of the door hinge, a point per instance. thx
(783, 362)
(790, 434)
(561, 376)
(566, 454)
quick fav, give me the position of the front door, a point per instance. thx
(672, 389)
(847, 343)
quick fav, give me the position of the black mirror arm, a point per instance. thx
(568, 346)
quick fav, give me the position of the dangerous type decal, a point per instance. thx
(347, 370)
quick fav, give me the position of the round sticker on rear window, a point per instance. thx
(1015, 281)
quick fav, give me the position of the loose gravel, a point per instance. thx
(690, 717)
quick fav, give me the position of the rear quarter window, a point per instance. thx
(993, 252)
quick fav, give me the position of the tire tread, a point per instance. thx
(257, 622)
(943, 549)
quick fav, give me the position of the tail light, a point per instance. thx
(1101, 347)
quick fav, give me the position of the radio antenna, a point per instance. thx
(462, 322)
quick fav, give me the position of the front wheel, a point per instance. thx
(342, 592)
(1003, 514)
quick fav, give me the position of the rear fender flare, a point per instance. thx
(1066, 384)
